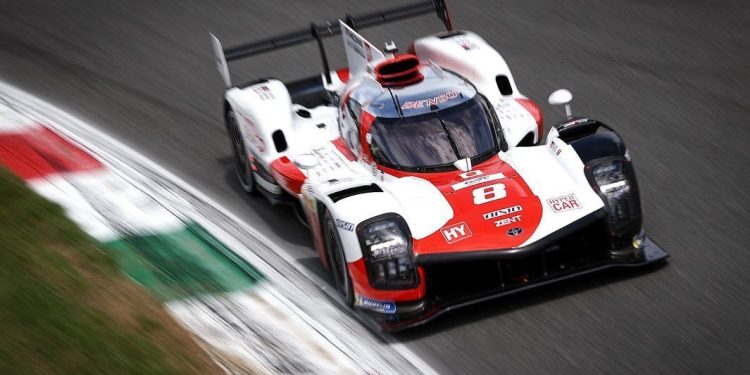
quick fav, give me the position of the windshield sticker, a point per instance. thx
(440, 99)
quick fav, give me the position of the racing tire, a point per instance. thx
(239, 155)
(337, 261)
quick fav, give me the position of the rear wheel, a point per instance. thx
(241, 162)
(337, 261)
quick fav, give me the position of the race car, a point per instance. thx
(424, 176)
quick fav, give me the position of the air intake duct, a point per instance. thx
(400, 71)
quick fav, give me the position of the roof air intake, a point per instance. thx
(402, 70)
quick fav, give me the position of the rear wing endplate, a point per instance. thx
(325, 30)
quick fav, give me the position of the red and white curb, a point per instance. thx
(285, 325)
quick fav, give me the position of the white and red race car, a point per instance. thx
(423, 176)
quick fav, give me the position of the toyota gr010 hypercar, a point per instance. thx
(424, 176)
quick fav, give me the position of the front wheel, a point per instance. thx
(337, 261)
(241, 162)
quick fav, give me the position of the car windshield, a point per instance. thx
(433, 141)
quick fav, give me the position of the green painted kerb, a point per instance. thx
(181, 264)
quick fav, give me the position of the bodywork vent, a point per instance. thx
(339, 195)
(279, 141)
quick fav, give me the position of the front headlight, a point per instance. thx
(386, 244)
(615, 182)
(610, 179)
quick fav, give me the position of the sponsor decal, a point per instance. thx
(368, 52)
(442, 98)
(470, 174)
(456, 232)
(259, 143)
(345, 225)
(480, 178)
(264, 92)
(555, 148)
(510, 110)
(502, 212)
(354, 43)
(507, 220)
(466, 44)
(574, 122)
(514, 231)
(386, 307)
(564, 203)
(252, 132)
(489, 193)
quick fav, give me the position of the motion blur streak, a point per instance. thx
(187, 251)
(671, 77)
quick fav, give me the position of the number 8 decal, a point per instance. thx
(489, 193)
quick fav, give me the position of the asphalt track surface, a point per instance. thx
(671, 76)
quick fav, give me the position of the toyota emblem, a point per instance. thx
(514, 231)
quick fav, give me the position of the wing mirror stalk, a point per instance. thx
(562, 97)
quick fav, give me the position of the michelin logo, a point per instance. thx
(386, 307)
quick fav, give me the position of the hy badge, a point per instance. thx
(456, 232)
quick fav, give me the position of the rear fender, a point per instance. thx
(264, 115)
(470, 56)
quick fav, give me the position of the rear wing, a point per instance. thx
(327, 29)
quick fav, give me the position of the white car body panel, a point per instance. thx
(266, 107)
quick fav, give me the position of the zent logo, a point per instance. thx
(564, 203)
(508, 220)
(456, 232)
(489, 193)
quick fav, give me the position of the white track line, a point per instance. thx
(120, 158)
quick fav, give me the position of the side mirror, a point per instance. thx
(562, 97)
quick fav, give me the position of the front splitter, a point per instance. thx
(651, 253)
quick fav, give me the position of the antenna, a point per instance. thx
(390, 48)
(396, 102)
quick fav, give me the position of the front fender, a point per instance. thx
(349, 212)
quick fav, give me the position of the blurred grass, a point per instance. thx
(65, 308)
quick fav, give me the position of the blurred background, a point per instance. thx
(670, 76)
